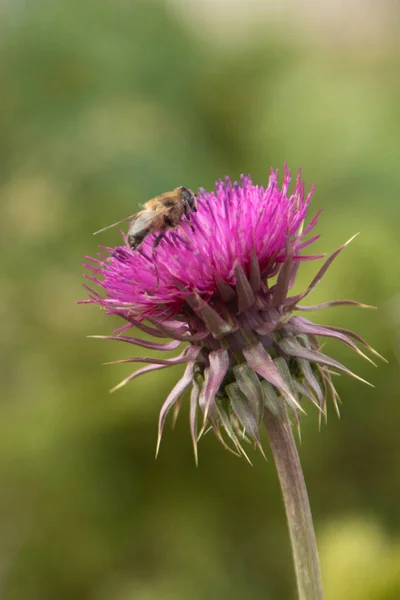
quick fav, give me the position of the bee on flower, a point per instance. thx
(247, 348)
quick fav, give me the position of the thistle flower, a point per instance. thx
(222, 292)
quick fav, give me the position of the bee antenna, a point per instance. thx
(114, 224)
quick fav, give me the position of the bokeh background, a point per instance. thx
(104, 104)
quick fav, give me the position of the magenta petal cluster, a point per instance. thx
(235, 225)
(221, 290)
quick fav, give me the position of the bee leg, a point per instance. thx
(187, 215)
(156, 270)
(158, 240)
(192, 229)
(155, 244)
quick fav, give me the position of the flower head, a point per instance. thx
(221, 290)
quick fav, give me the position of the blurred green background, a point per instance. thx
(103, 105)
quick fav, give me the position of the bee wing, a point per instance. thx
(141, 222)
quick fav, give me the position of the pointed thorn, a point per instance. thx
(295, 402)
(324, 414)
(196, 455)
(158, 444)
(117, 387)
(377, 354)
(362, 380)
(335, 403)
(259, 446)
(203, 427)
(176, 413)
(350, 240)
(299, 432)
(333, 373)
(316, 404)
(361, 353)
(245, 455)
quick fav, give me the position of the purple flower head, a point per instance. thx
(220, 288)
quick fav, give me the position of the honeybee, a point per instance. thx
(158, 215)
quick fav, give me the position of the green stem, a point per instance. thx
(297, 507)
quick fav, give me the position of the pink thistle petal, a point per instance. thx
(238, 226)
